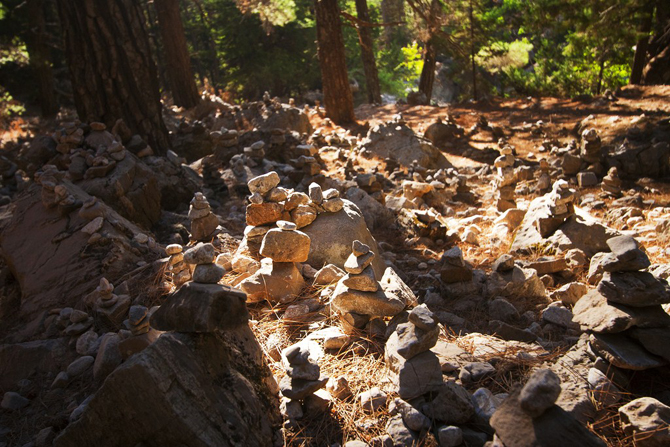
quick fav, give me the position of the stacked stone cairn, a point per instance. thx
(416, 371)
(544, 179)
(590, 150)
(358, 297)
(303, 378)
(110, 309)
(628, 327)
(255, 153)
(206, 271)
(506, 180)
(279, 279)
(204, 224)
(141, 333)
(177, 267)
(559, 207)
(611, 184)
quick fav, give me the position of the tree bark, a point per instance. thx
(392, 11)
(177, 60)
(40, 58)
(640, 58)
(472, 52)
(336, 90)
(428, 71)
(367, 54)
(113, 73)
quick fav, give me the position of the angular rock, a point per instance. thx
(540, 392)
(637, 289)
(412, 340)
(376, 303)
(274, 281)
(392, 284)
(263, 213)
(372, 400)
(364, 282)
(624, 352)
(647, 421)
(451, 404)
(298, 389)
(263, 183)
(201, 308)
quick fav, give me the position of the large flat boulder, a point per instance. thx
(200, 390)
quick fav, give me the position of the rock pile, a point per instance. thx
(358, 296)
(110, 309)
(279, 279)
(303, 378)
(206, 271)
(506, 179)
(204, 223)
(627, 325)
(178, 268)
(611, 184)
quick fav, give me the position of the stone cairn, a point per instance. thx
(417, 373)
(178, 268)
(255, 154)
(590, 150)
(560, 206)
(110, 308)
(611, 184)
(358, 297)
(506, 180)
(206, 271)
(204, 224)
(303, 378)
(628, 327)
(544, 180)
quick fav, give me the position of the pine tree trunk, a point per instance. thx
(113, 73)
(336, 91)
(180, 75)
(40, 59)
(392, 11)
(472, 53)
(642, 45)
(367, 54)
(428, 71)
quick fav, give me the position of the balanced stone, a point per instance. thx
(624, 352)
(356, 264)
(637, 289)
(208, 273)
(540, 392)
(358, 248)
(366, 303)
(285, 246)
(263, 213)
(263, 183)
(200, 254)
(413, 341)
(315, 193)
(365, 281)
(298, 389)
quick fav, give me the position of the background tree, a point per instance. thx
(337, 95)
(40, 57)
(363, 28)
(113, 73)
(180, 75)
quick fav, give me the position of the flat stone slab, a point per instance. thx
(624, 352)
(377, 303)
(635, 289)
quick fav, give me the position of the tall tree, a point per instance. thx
(367, 52)
(180, 75)
(113, 73)
(642, 45)
(40, 58)
(337, 95)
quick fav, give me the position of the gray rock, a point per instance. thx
(208, 273)
(449, 436)
(412, 417)
(328, 275)
(553, 428)
(80, 366)
(393, 285)
(503, 264)
(200, 254)
(501, 309)
(108, 358)
(604, 390)
(623, 352)
(365, 303)
(201, 308)
(364, 282)
(558, 315)
(654, 340)
(411, 340)
(570, 293)
(372, 400)
(285, 246)
(401, 434)
(540, 392)
(647, 421)
(451, 404)
(635, 289)
(509, 332)
(595, 313)
(485, 403)
(263, 183)
(476, 371)
(419, 375)
(61, 380)
(13, 401)
(423, 318)
(298, 389)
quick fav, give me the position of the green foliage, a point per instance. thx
(9, 107)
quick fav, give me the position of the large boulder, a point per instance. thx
(184, 389)
(51, 257)
(20, 360)
(332, 235)
(399, 142)
(376, 215)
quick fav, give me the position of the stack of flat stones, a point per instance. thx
(611, 184)
(560, 206)
(255, 153)
(110, 308)
(416, 370)
(206, 271)
(590, 150)
(204, 224)
(141, 333)
(628, 327)
(306, 160)
(303, 374)
(266, 197)
(544, 180)
(506, 179)
(358, 296)
(176, 264)
(279, 279)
